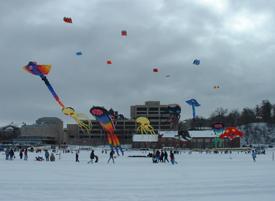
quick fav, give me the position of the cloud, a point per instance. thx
(233, 39)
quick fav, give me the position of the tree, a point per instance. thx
(247, 116)
(266, 110)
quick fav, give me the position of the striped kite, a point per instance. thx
(105, 120)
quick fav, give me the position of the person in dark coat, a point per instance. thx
(21, 153)
(11, 153)
(111, 156)
(77, 156)
(165, 156)
(172, 158)
(92, 156)
(47, 155)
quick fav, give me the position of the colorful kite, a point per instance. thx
(194, 103)
(174, 111)
(231, 133)
(42, 71)
(196, 62)
(105, 120)
(123, 33)
(144, 126)
(109, 62)
(218, 129)
(68, 20)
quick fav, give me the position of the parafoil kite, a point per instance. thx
(41, 71)
(144, 126)
(78, 53)
(155, 70)
(196, 62)
(231, 133)
(174, 112)
(109, 62)
(194, 103)
(123, 33)
(104, 119)
(68, 20)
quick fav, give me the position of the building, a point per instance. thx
(158, 115)
(124, 129)
(46, 130)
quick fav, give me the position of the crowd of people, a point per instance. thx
(162, 157)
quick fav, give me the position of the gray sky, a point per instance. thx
(233, 39)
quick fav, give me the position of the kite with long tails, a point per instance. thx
(42, 71)
(105, 120)
(194, 103)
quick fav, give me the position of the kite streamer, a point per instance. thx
(105, 120)
(42, 71)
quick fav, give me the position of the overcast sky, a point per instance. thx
(233, 39)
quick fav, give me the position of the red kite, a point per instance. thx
(68, 20)
(123, 33)
(109, 62)
(231, 133)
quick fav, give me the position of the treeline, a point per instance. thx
(264, 112)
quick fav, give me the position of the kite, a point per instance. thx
(194, 103)
(105, 120)
(68, 20)
(43, 70)
(174, 111)
(123, 33)
(231, 133)
(81, 119)
(109, 62)
(218, 129)
(216, 87)
(167, 76)
(78, 53)
(196, 62)
(155, 70)
(144, 126)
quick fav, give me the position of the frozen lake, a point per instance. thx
(195, 177)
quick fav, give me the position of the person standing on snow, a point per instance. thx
(172, 158)
(77, 156)
(92, 157)
(112, 156)
(47, 155)
(254, 154)
(165, 155)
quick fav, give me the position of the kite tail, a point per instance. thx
(117, 144)
(194, 112)
(44, 78)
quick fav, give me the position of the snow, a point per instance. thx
(202, 133)
(197, 176)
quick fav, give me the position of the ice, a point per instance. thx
(197, 176)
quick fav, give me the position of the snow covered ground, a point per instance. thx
(195, 177)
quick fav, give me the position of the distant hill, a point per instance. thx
(258, 133)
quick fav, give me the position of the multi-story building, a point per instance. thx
(158, 114)
(124, 129)
(46, 130)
